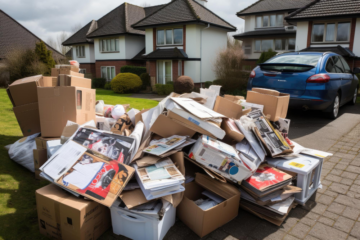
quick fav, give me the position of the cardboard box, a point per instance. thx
(41, 142)
(235, 99)
(74, 81)
(204, 222)
(165, 127)
(232, 131)
(275, 107)
(40, 157)
(70, 67)
(57, 105)
(228, 108)
(49, 82)
(24, 91)
(28, 118)
(56, 71)
(63, 216)
(266, 91)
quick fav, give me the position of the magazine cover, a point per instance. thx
(113, 146)
(266, 176)
(164, 145)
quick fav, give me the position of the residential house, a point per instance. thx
(266, 28)
(329, 25)
(178, 38)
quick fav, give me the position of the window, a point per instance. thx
(266, 45)
(108, 73)
(346, 65)
(330, 66)
(164, 71)
(247, 49)
(80, 51)
(298, 59)
(269, 21)
(170, 36)
(331, 32)
(109, 45)
(277, 45)
(258, 45)
(83, 71)
(291, 45)
(280, 44)
(180, 68)
(338, 65)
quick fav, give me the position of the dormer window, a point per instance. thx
(109, 45)
(170, 36)
(273, 20)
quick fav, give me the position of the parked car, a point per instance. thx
(319, 81)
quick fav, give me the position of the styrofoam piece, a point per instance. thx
(140, 226)
(308, 171)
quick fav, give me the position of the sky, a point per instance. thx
(48, 18)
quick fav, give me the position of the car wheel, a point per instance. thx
(353, 101)
(335, 107)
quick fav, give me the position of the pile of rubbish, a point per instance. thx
(197, 156)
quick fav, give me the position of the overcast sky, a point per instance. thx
(48, 18)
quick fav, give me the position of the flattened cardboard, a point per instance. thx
(24, 91)
(232, 131)
(28, 118)
(57, 105)
(266, 91)
(228, 108)
(40, 157)
(204, 222)
(138, 116)
(166, 127)
(63, 216)
(74, 81)
(133, 198)
(274, 106)
(234, 99)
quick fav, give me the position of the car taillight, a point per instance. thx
(318, 78)
(252, 74)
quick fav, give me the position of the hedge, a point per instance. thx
(132, 69)
(164, 89)
(98, 82)
(126, 83)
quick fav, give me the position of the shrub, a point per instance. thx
(164, 89)
(208, 84)
(145, 78)
(132, 69)
(45, 56)
(98, 82)
(126, 83)
(266, 56)
(107, 86)
(183, 84)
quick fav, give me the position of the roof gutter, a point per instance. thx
(201, 62)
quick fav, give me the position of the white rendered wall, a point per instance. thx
(356, 48)
(192, 69)
(133, 45)
(193, 40)
(89, 53)
(301, 35)
(250, 23)
(110, 56)
(149, 45)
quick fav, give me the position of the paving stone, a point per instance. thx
(343, 151)
(349, 175)
(344, 224)
(341, 166)
(268, 231)
(319, 208)
(353, 194)
(345, 161)
(345, 155)
(346, 148)
(353, 169)
(275, 235)
(336, 172)
(300, 230)
(357, 182)
(329, 165)
(289, 223)
(355, 232)
(324, 199)
(219, 234)
(348, 201)
(333, 178)
(339, 188)
(355, 149)
(352, 152)
(351, 238)
(347, 181)
(355, 188)
(330, 215)
(230, 238)
(331, 193)
(326, 221)
(334, 159)
(324, 188)
(336, 208)
(308, 221)
(356, 162)
(324, 232)
(309, 237)
(290, 237)
(326, 182)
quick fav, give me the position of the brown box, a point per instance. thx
(234, 99)
(74, 81)
(24, 91)
(275, 107)
(56, 71)
(49, 82)
(166, 127)
(232, 131)
(204, 222)
(70, 68)
(41, 142)
(57, 105)
(228, 108)
(63, 216)
(28, 118)
(40, 157)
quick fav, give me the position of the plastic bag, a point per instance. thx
(99, 107)
(118, 111)
(22, 151)
(75, 63)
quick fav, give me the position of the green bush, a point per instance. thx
(107, 86)
(164, 89)
(145, 78)
(208, 84)
(126, 83)
(266, 56)
(98, 82)
(132, 69)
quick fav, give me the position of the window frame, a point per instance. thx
(117, 45)
(335, 32)
(173, 38)
(269, 21)
(273, 45)
(79, 49)
(107, 79)
(163, 81)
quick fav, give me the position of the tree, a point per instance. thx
(56, 42)
(266, 56)
(45, 56)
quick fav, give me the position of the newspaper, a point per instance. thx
(164, 145)
(283, 126)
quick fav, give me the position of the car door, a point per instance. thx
(345, 83)
(348, 79)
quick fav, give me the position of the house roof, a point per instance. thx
(182, 11)
(325, 9)
(345, 52)
(262, 6)
(172, 53)
(259, 33)
(14, 35)
(79, 36)
(139, 56)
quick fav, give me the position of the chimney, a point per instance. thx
(202, 2)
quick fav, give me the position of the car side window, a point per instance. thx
(338, 65)
(330, 66)
(345, 64)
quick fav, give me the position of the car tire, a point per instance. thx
(353, 100)
(335, 108)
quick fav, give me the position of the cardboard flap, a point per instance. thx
(234, 99)
(224, 190)
(166, 127)
(133, 198)
(228, 108)
(211, 173)
(266, 91)
(147, 161)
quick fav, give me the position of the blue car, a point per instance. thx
(319, 81)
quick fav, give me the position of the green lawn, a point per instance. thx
(18, 217)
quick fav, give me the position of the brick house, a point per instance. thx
(178, 38)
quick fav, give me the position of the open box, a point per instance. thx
(203, 222)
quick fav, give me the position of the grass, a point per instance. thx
(18, 215)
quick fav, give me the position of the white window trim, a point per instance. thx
(117, 42)
(273, 45)
(180, 70)
(77, 48)
(106, 72)
(268, 15)
(335, 32)
(164, 69)
(173, 44)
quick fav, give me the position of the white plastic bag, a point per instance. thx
(75, 63)
(22, 151)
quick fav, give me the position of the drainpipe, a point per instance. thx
(201, 53)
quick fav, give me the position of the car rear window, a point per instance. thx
(296, 59)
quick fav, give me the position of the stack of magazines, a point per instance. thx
(160, 179)
(167, 146)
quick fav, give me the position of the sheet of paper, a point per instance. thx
(164, 163)
(155, 173)
(136, 135)
(132, 114)
(213, 196)
(283, 206)
(63, 160)
(82, 175)
(197, 109)
(211, 97)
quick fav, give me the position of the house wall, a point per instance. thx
(133, 45)
(89, 54)
(356, 48)
(90, 68)
(192, 69)
(110, 56)
(149, 42)
(193, 40)
(302, 35)
(250, 23)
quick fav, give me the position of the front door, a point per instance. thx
(164, 73)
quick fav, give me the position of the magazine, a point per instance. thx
(164, 145)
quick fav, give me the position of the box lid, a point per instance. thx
(224, 190)
(24, 91)
(228, 108)
(266, 91)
